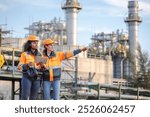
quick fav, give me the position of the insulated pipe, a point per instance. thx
(122, 67)
(71, 8)
(133, 20)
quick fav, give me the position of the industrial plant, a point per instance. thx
(104, 71)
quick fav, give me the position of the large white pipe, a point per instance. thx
(71, 26)
(133, 21)
(72, 8)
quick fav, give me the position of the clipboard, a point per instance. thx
(39, 59)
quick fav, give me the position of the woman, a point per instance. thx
(52, 73)
(30, 82)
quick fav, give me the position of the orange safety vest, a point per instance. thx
(55, 62)
(25, 59)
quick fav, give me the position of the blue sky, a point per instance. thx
(96, 16)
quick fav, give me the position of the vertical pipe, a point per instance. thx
(13, 89)
(119, 91)
(133, 47)
(122, 67)
(13, 61)
(137, 92)
(98, 91)
(76, 76)
(133, 21)
(71, 8)
(71, 26)
(61, 38)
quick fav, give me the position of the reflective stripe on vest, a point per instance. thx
(51, 75)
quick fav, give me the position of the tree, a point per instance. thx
(144, 69)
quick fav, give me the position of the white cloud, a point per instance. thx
(105, 11)
(119, 8)
(107, 8)
(3, 7)
(11, 4)
(117, 3)
(145, 6)
(39, 3)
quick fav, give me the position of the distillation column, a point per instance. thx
(133, 21)
(71, 8)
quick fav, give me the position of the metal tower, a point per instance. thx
(133, 21)
(71, 8)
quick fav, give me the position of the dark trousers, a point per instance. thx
(29, 89)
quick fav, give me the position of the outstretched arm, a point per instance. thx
(67, 55)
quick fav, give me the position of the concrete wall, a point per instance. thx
(5, 89)
(103, 69)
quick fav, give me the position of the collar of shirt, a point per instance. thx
(52, 54)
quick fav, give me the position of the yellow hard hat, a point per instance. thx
(48, 41)
(32, 38)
